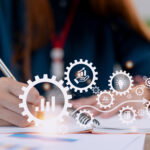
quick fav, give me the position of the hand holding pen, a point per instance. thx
(10, 89)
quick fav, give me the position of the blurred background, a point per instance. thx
(143, 8)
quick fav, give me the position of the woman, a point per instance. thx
(104, 32)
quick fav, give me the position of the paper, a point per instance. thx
(82, 142)
(114, 125)
(108, 142)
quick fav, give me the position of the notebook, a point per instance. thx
(112, 125)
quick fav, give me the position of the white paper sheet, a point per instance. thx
(84, 142)
(114, 125)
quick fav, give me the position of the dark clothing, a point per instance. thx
(104, 41)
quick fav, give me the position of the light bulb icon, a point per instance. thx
(120, 83)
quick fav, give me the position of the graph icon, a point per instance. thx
(81, 73)
(81, 76)
(46, 106)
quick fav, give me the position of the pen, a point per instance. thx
(5, 70)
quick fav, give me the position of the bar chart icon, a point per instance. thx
(46, 106)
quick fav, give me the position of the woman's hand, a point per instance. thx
(10, 113)
(118, 100)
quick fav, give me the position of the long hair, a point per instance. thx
(39, 25)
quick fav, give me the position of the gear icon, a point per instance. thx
(128, 120)
(110, 99)
(84, 118)
(127, 75)
(147, 109)
(147, 82)
(139, 90)
(95, 90)
(81, 62)
(31, 84)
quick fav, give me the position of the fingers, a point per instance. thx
(10, 113)
(4, 123)
(12, 103)
(15, 88)
(108, 115)
(13, 118)
(136, 106)
(11, 85)
(84, 101)
(34, 97)
(94, 112)
(92, 102)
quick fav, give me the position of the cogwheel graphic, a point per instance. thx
(31, 84)
(84, 121)
(95, 90)
(147, 109)
(123, 120)
(139, 90)
(147, 82)
(108, 105)
(81, 62)
(130, 83)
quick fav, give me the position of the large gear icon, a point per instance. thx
(81, 62)
(127, 122)
(31, 84)
(130, 83)
(84, 120)
(100, 103)
(147, 109)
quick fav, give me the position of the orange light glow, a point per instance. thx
(46, 86)
(129, 64)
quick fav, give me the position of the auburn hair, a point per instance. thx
(39, 25)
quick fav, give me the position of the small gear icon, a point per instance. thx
(81, 62)
(139, 90)
(84, 118)
(147, 109)
(110, 99)
(147, 82)
(95, 90)
(31, 84)
(128, 120)
(123, 73)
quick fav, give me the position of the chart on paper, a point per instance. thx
(46, 106)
